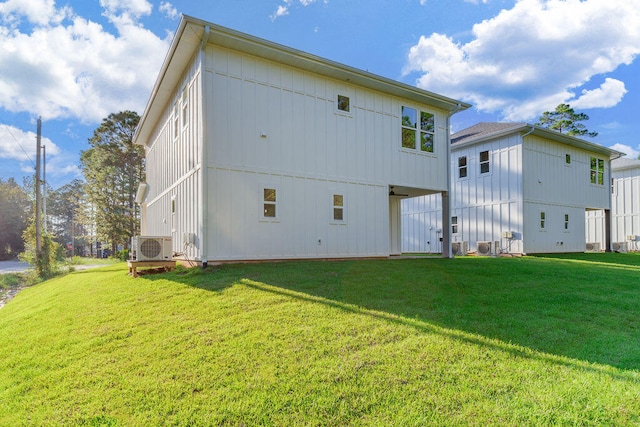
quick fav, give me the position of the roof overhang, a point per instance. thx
(525, 129)
(191, 34)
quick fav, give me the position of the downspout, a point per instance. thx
(446, 200)
(204, 169)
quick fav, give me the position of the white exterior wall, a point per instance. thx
(557, 188)
(485, 204)
(173, 169)
(625, 206)
(274, 126)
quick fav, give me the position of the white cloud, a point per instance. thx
(632, 153)
(73, 68)
(18, 145)
(609, 94)
(283, 9)
(530, 58)
(40, 12)
(168, 10)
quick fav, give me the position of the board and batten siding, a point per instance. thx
(274, 126)
(173, 167)
(625, 206)
(485, 204)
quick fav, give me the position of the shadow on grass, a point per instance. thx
(580, 306)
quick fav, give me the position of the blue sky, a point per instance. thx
(75, 62)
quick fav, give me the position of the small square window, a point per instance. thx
(343, 103)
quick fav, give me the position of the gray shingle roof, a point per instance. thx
(484, 128)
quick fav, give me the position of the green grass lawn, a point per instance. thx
(469, 341)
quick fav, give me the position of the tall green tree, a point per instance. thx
(113, 168)
(15, 211)
(66, 211)
(565, 120)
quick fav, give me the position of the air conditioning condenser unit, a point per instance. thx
(593, 247)
(619, 246)
(485, 248)
(460, 248)
(151, 248)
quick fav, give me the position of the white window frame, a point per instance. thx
(418, 129)
(465, 167)
(266, 202)
(542, 221)
(566, 223)
(454, 225)
(341, 207)
(173, 214)
(596, 176)
(485, 162)
(185, 107)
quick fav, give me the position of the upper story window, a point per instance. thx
(418, 129)
(454, 225)
(185, 106)
(462, 167)
(344, 103)
(269, 203)
(484, 162)
(567, 159)
(338, 207)
(176, 121)
(597, 171)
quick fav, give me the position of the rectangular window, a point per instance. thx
(176, 121)
(484, 162)
(343, 103)
(338, 207)
(543, 218)
(173, 213)
(185, 107)
(597, 171)
(567, 159)
(613, 186)
(269, 196)
(454, 225)
(462, 167)
(566, 222)
(412, 133)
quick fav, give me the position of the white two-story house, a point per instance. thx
(258, 151)
(516, 188)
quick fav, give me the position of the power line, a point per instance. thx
(21, 147)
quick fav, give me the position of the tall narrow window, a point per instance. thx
(462, 167)
(173, 213)
(613, 186)
(176, 121)
(543, 219)
(597, 171)
(269, 198)
(418, 134)
(409, 124)
(454, 225)
(338, 207)
(484, 162)
(567, 159)
(185, 107)
(566, 222)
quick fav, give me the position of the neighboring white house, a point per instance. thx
(625, 205)
(515, 188)
(258, 151)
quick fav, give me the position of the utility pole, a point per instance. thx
(44, 187)
(38, 197)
